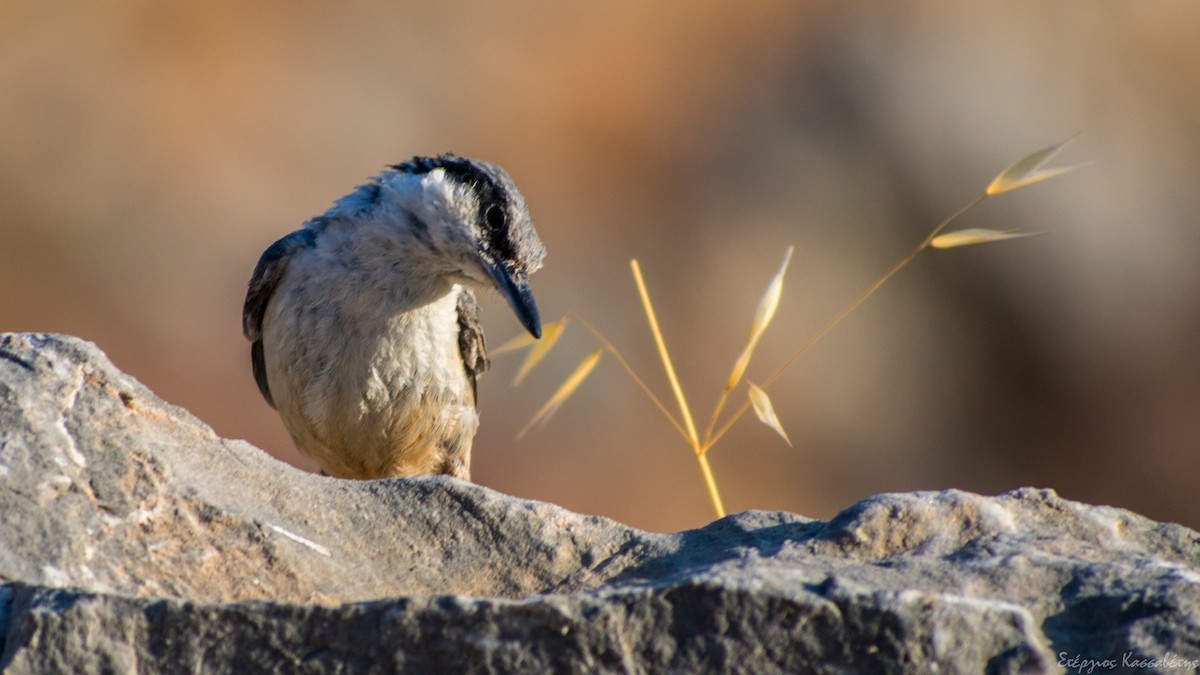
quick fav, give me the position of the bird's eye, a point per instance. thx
(494, 216)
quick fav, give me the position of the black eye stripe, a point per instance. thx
(490, 187)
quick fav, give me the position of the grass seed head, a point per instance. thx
(565, 391)
(973, 236)
(767, 304)
(1028, 170)
(550, 334)
(766, 412)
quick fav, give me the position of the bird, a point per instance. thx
(364, 326)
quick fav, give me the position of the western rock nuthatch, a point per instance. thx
(363, 324)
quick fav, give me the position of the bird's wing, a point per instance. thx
(263, 282)
(470, 337)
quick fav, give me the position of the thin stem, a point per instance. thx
(711, 483)
(693, 438)
(710, 441)
(634, 376)
(712, 421)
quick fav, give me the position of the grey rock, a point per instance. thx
(133, 539)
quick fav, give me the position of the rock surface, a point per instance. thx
(133, 539)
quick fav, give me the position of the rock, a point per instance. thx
(132, 538)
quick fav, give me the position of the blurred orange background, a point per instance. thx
(152, 150)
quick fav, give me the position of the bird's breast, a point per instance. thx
(369, 385)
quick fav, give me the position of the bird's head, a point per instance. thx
(469, 219)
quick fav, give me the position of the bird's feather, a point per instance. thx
(267, 275)
(470, 337)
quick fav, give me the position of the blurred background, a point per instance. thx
(150, 151)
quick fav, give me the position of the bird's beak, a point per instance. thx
(515, 288)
